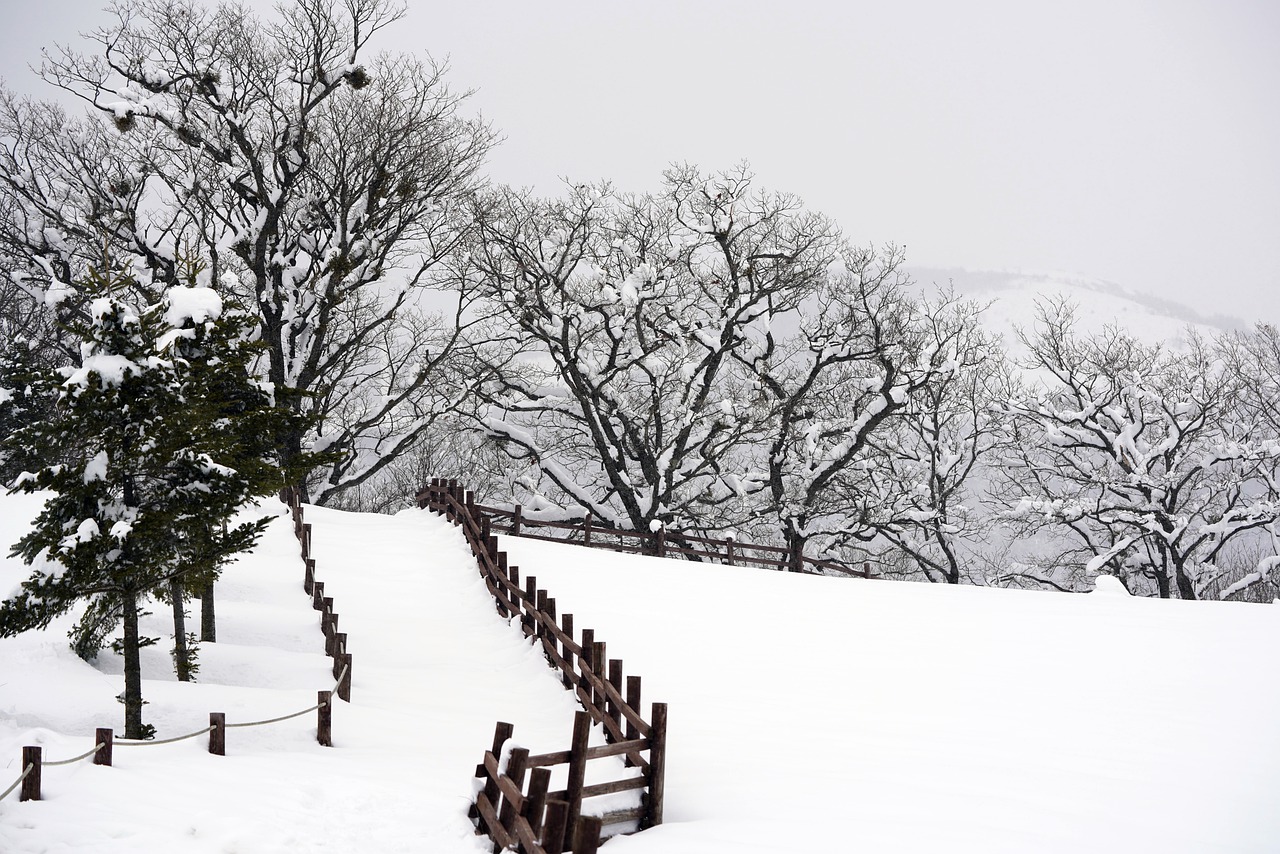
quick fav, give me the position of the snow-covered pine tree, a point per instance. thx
(153, 423)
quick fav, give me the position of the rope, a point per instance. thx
(17, 781)
(275, 720)
(163, 740)
(84, 755)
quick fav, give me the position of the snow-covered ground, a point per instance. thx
(807, 714)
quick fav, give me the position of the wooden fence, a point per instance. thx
(102, 752)
(662, 543)
(335, 642)
(532, 819)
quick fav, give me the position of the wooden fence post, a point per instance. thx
(31, 785)
(105, 737)
(587, 836)
(515, 520)
(660, 543)
(586, 529)
(577, 769)
(866, 569)
(309, 576)
(530, 605)
(554, 829)
(657, 765)
(633, 700)
(515, 773)
(566, 626)
(615, 679)
(599, 667)
(540, 608)
(324, 718)
(584, 660)
(343, 660)
(728, 551)
(317, 595)
(306, 540)
(218, 735)
(539, 782)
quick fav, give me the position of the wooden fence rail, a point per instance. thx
(522, 814)
(662, 543)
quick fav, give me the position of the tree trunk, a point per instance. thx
(133, 726)
(795, 552)
(1186, 589)
(208, 626)
(181, 654)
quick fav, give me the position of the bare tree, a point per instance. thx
(932, 460)
(1134, 452)
(325, 187)
(632, 400)
(833, 390)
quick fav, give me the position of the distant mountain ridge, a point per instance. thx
(1014, 295)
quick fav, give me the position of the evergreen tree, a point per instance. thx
(163, 434)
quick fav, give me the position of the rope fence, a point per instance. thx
(335, 647)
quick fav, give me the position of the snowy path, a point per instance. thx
(434, 669)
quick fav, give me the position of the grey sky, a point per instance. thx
(1137, 142)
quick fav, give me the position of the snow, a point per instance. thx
(807, 713)
(199, 305)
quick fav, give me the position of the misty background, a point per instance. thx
(1130, 142)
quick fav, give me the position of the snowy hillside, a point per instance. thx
(807, 714)
(1013, 298)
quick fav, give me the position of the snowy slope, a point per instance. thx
(1013, 298)
(807, 714)
(897, 717)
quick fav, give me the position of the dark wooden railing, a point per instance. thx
(662, 543)
(524, 815)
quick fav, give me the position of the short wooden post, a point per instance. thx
(599, 667)
(329, 625)
(540, 607)
(105, 737)
(516, 518)
(486, 528)
(309, 578)
(633, 700)
(584, 660)
(218, 735)
(615, 679)
(324, 718)
(530, 605)
(501, 733)
(31, 783)
(566, 626)
(866, 569)
(657, 765)
(586, 529)
(515, 773)
(306, 540)
(554, 828)
(539, 782)
(728, 551)
(577, 769)
(586, 838)
(660, 543)
(344, 687)
(317, 596)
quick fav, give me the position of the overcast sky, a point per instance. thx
(1136, 142)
